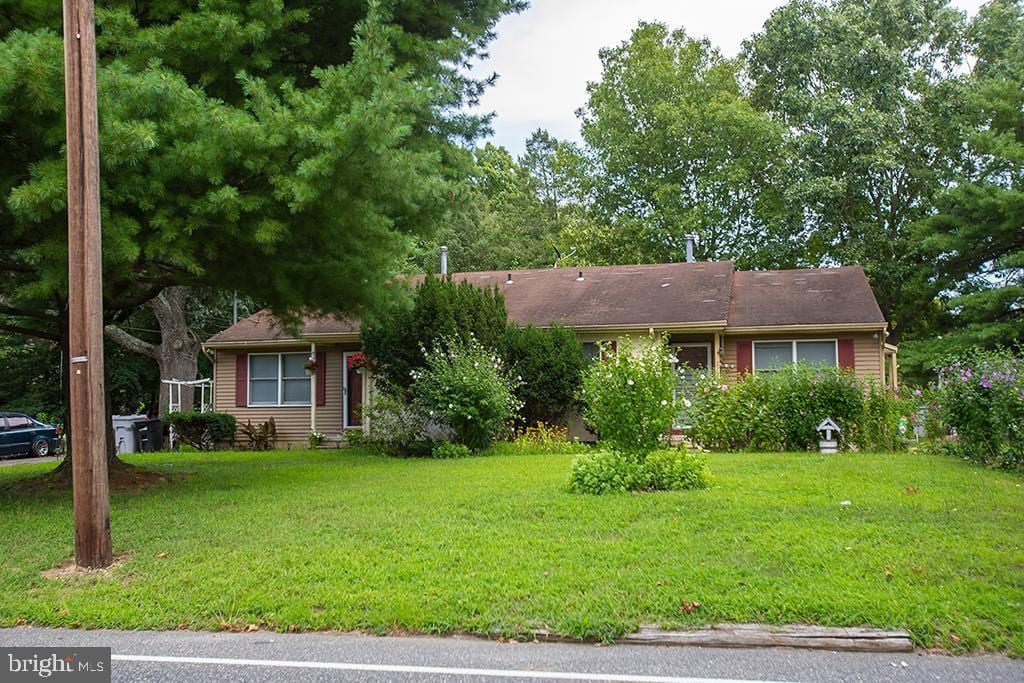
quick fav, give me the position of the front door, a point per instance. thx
(691, 361)
(353, 394)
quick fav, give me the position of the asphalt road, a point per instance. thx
(271, 657)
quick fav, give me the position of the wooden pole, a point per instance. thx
(85, 292)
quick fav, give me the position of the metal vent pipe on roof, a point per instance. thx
(690, 240)
(444, 260)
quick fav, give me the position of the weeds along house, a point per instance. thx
(716, 317)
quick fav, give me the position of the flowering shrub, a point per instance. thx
(544, 437)
(315, 438)
(399, 427)
(629, 397)
(465, 386)
(981, 398)
(777, 411)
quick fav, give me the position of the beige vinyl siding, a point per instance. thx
(867, 351)
(293, 422)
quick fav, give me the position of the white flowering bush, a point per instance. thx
(629, 397)
(466, 387)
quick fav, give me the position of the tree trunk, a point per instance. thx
(177, 354)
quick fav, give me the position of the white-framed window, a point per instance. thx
(592, 349)
(774, 355)
(279, 379)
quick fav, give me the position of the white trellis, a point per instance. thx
(174, 386)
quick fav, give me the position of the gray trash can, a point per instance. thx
(124, 432)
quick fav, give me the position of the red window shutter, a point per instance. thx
(744, 357)
(846, 353)
(615, 345)
(242, 380)
(321, 378)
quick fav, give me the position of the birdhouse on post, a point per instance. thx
(829, 443)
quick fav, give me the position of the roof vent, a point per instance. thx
(509, 280)
(690, 241)
(444, 260)
(579, 278)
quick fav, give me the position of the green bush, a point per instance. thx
(550, 364)
(674, 470)
(465, 387)
(546, 438)
(603, 472)
(398, 341)
(884, 411)
(202, 431)
(981, 399)
(629, 397)
(777, 411)
(665, 470)
(397, 426)
(446, 450)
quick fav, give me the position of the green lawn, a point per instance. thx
(344, 540)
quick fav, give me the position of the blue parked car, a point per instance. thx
(22, 435)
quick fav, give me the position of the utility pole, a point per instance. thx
(85, 292)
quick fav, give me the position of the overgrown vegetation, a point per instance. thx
(466, 387)
(781, 410)
(629, 400)
(981, 399)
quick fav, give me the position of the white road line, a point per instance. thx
(434, 670)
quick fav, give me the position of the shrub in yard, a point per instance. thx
(550, 364)
(776, 411)
(546, 438)
(465, 386)
(981, 398)
(398, 426)
(883, 411)
(446, 450)
(629, 397)
(260, 436)
(202, 431)
(604, 472)
(441, 310)
(673, 470)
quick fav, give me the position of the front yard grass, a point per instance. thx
(346, 540)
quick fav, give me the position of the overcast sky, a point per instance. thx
(546, 55)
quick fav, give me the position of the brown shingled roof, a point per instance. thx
(614, 296)
(810, 296)
(640, 296)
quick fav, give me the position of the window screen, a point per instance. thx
(816, 353)
(296, 383)
(591, 350)
(772, 355)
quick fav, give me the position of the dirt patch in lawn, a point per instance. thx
(68, 570)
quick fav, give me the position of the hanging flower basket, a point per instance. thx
(357, 361)
(310, 366)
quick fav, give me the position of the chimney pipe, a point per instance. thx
(690, 239)
(444, 260)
